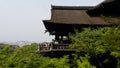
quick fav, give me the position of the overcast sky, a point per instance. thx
(21, 20)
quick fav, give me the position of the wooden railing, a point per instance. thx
(60, 46)
(53, 47)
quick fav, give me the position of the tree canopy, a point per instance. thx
(95, 48)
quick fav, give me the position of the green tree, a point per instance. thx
(25, 57)
(98, 42)
(5, 52)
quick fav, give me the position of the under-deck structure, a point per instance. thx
(65, 19)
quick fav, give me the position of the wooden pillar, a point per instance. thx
(62, 38)
(56, 37)
(68, 37)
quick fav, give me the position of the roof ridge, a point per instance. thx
(72, 7)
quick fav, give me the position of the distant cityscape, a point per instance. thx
(19, 43)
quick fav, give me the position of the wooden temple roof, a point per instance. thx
(65, 18)
(74, 15)
(106, 8)
(72, 7)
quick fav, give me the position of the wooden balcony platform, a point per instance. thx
(55, 48)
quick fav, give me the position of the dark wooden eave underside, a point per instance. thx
(64, 29)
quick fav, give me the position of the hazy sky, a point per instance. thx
(21, 20)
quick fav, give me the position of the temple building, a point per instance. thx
(65, 19)
(106, 8)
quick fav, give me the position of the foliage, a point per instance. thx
(26, 57)
(98, 48)
(5, 52)
(97, 43)
(81, 61)
(56, 63)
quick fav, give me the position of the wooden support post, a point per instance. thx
(56, 37)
